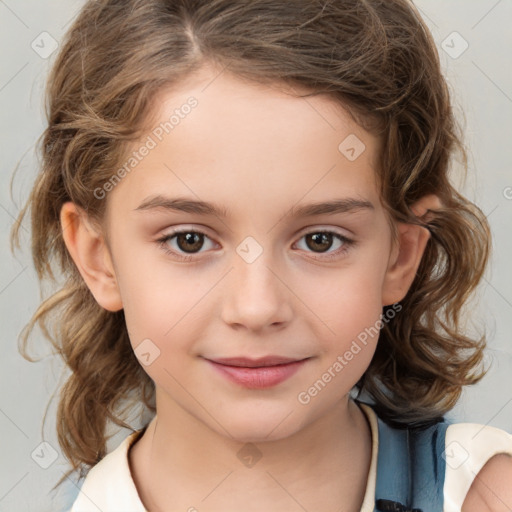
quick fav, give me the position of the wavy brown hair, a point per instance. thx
(376, 58)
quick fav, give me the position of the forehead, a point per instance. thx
(221, 139)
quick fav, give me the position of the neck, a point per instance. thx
(321, 467)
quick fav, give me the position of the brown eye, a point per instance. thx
(190, 241)
(319, 242)
(184, 244)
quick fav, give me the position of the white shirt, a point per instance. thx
(109, 486)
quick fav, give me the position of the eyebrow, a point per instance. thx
(179, 204)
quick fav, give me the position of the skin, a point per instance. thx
(491, 490)
(258, 151)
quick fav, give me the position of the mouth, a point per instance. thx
(255, 363)
(258, 373)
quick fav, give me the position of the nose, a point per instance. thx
(256, 297)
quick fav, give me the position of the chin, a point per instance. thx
(257, 426)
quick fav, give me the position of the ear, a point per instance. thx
(91, 255)
(407, 252)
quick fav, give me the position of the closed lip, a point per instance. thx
(247, 362)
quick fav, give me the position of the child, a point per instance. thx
(199, 154)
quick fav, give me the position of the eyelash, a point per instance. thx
(347, 243)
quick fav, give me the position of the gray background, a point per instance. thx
(481, 84)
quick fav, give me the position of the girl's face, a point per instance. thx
(251, 177)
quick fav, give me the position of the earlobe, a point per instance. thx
(407, 253)
(91, 255)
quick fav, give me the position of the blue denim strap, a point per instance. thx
(410, 468)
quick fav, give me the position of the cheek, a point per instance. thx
(350, 299)
(164, 304)
(162, 324)
(157, 309)
(150, 304)
(350, 304)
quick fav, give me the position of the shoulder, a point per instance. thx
(491, 490)
(478, 468)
